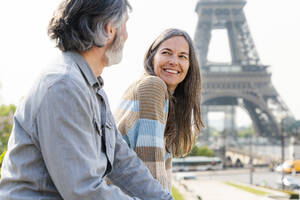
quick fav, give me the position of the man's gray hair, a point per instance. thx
(78, 25)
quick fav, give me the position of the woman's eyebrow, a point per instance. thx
(166, 48)
(183, 52)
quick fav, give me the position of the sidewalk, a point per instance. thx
(217, 190)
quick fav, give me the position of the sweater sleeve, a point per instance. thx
(152, 118)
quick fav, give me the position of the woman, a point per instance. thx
(159, 115)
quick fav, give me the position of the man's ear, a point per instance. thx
(111, 32)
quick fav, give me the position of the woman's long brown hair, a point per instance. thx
(184, 117)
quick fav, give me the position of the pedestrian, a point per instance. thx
(159, 115)
(65, 143)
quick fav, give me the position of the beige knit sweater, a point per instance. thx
(141, 118)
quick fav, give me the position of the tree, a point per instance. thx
(295, 128)
(1, 159)
(201, 151)
(291, 126)
(246, 132)
(214, 132)
(6, 121)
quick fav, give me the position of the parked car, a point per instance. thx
(278, 168)
(290, 165)
(289, 183)
(185, 176)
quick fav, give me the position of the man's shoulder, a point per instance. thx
(62, 75)
(58, 76)
(62, 70)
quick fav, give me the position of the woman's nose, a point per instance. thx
(173, 60)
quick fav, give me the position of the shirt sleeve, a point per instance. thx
(150, 144)
(67, 142)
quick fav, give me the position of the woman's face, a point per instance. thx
(171, 61)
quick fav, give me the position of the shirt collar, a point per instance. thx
(100, 81)
(87, 71)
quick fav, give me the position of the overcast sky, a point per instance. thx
(24, 44)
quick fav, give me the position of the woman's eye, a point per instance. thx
(185, 57)
(165, 52)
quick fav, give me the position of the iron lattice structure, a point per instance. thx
(245, 81)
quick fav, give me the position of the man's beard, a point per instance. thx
(114, 53)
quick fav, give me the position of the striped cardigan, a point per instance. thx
(141, 118)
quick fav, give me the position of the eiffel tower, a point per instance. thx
(245, 81)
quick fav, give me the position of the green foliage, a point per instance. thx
(291, 126)
(1, 157)
(6, 110)
(248, 189)
(1, 160)
(201, 151)
(6, 120)
(176, 194)
(246, 132)
(293, 194)
(214, 132)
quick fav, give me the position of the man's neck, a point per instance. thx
(96, 59)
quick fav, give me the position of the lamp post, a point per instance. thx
(251, 160)
(282, 150)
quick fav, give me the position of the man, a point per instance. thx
(65, 143)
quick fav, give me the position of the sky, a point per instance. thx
(25, 46)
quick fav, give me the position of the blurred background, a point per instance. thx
(249, 54)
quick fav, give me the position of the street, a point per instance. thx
(213, 185)
(261, 176)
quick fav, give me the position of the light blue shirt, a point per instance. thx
(65, 143)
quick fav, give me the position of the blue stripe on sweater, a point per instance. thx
(135, 105)
(146, 133)
(166, 109)
(129, 105)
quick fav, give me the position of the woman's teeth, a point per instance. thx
(171, 71)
